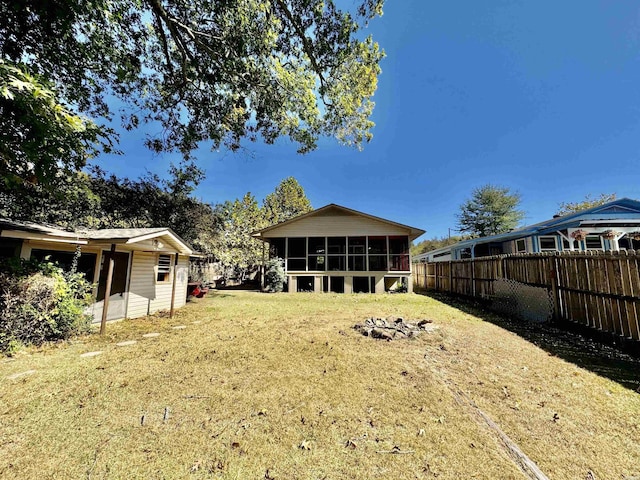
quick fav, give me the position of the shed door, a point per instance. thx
(118, 297)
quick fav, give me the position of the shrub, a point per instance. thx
(41, 302)
(274, 276)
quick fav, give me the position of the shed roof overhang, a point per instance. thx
(144, 239)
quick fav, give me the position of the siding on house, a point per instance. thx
(337, 224)
(145, 295)
(337, 267)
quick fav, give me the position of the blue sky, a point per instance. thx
(542, 97)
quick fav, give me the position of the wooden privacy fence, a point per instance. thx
(600, 290)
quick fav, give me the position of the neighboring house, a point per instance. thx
(336, 249)
(612, 226)
(151, 265)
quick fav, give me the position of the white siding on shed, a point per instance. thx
(145, 295)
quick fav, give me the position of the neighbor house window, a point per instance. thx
(593, 242)
(521, 245)
(164, 269)
(548, 244)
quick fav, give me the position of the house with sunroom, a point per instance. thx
(337, 249)
(612, 226)
(150, 268)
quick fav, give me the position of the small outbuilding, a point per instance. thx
(150, 265)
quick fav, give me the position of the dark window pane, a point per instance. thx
(377, 245)
(337, 244)
(372, 288)
(276, 247)
(316, 245)
(399, 245)
(336, 263)
(86, 262)
(357, 263)
(378, 263)
(400, 263)
(360, 284)
(325, 284)
(357, 244)
(297, 247)
(305, 284)
(10, 248)
(547, 243)
(336, 284)
(296, 264)
(593, 242)
(317, 262)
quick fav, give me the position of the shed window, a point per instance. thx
(521, 245)
(164, 268)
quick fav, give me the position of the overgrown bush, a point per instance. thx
(274, 276)
(40, 302)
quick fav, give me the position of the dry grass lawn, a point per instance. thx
(281, 387)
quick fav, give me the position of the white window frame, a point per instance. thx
(524, 250)
(599, 238)
(555, 243)
(166, 269)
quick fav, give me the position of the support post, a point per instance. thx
(262, 269)
(107, 291)
(173, 285)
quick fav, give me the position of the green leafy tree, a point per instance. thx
(236, 250)
(98, 200)
(200, 71)
(434, 243)
(490, 210)
(41, 139)
(71, 204)
(565, 208)
(287, 201)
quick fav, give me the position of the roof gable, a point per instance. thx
(334, 210)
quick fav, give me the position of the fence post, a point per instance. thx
(555, 290)
(450, 276)
(473, 278)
